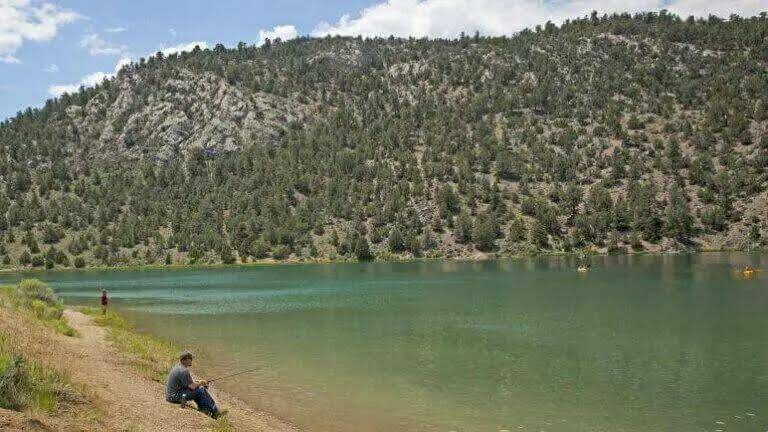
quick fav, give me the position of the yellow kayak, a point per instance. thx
(747, 272)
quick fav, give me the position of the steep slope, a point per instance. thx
(618, 133)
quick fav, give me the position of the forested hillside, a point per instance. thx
(615, 134)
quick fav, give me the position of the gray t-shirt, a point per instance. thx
(179, 380)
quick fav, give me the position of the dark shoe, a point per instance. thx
(219, 413)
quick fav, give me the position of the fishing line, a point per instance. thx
(234, 374)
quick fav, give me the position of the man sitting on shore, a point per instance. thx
(182, 388)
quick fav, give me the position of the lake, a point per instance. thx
(636, 344)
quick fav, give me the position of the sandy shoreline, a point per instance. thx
(126, 399)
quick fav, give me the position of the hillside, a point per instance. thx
(616, 134)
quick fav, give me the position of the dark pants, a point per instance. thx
(203, 400)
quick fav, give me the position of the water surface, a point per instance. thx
(637, 344)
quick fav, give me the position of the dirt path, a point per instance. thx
(130, 401)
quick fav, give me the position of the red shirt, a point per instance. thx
(104, 299)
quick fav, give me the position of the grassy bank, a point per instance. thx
(30, 317)
(27, 385)
(26, 382)
(150, 355)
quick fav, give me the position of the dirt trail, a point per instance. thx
(130, 401)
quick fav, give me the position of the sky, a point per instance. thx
(51, 47)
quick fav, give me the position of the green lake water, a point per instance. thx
(646, 343)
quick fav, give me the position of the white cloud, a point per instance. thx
(448, 18)
(284, 32)
(184, 47)
(21, 20)
(703, 8)
(122, 62)
(173, 32)
(115, 29)
(96, 78)
(89, 80)
(52, 68)
(98, 46)
(8, 58)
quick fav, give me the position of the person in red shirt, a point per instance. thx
(104, 302)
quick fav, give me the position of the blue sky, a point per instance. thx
(47, 47)
(140, 27)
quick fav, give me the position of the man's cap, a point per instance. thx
(186, 354)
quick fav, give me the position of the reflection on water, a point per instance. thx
(637, 343)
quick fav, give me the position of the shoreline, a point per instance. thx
(96, 371)
(239, 410)
(296, 262)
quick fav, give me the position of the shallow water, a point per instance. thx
(637, 344)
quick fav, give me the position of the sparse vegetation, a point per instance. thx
(37, 300)
(26, 384)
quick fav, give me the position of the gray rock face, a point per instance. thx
(190, 111)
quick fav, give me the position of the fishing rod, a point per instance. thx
(234, 374)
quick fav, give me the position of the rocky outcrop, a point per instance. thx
(189, 111)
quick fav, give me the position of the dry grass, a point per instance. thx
(37, 301)
(26, 383)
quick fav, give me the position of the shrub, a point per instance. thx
(281, 252)
(396, 242)
(15, 383)
(47, 312)
(52, 234)
(38, 308)
(79, 262)
(26, 385)
(39, 300)
(35, 289)
(362, 249)
(714, 218)
(259, 249)
(38, 261)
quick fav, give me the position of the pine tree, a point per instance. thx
(25, 258)
(485, 232)
(464, 227)
(395, 241)
(362, 249)
(679, 219)
(448, 201)
(538, 235)
(517, 231)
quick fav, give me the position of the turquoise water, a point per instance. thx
(637, 344)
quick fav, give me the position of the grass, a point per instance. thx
(222, 424)
(26, 384)
(38, 302)
(150, 355)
